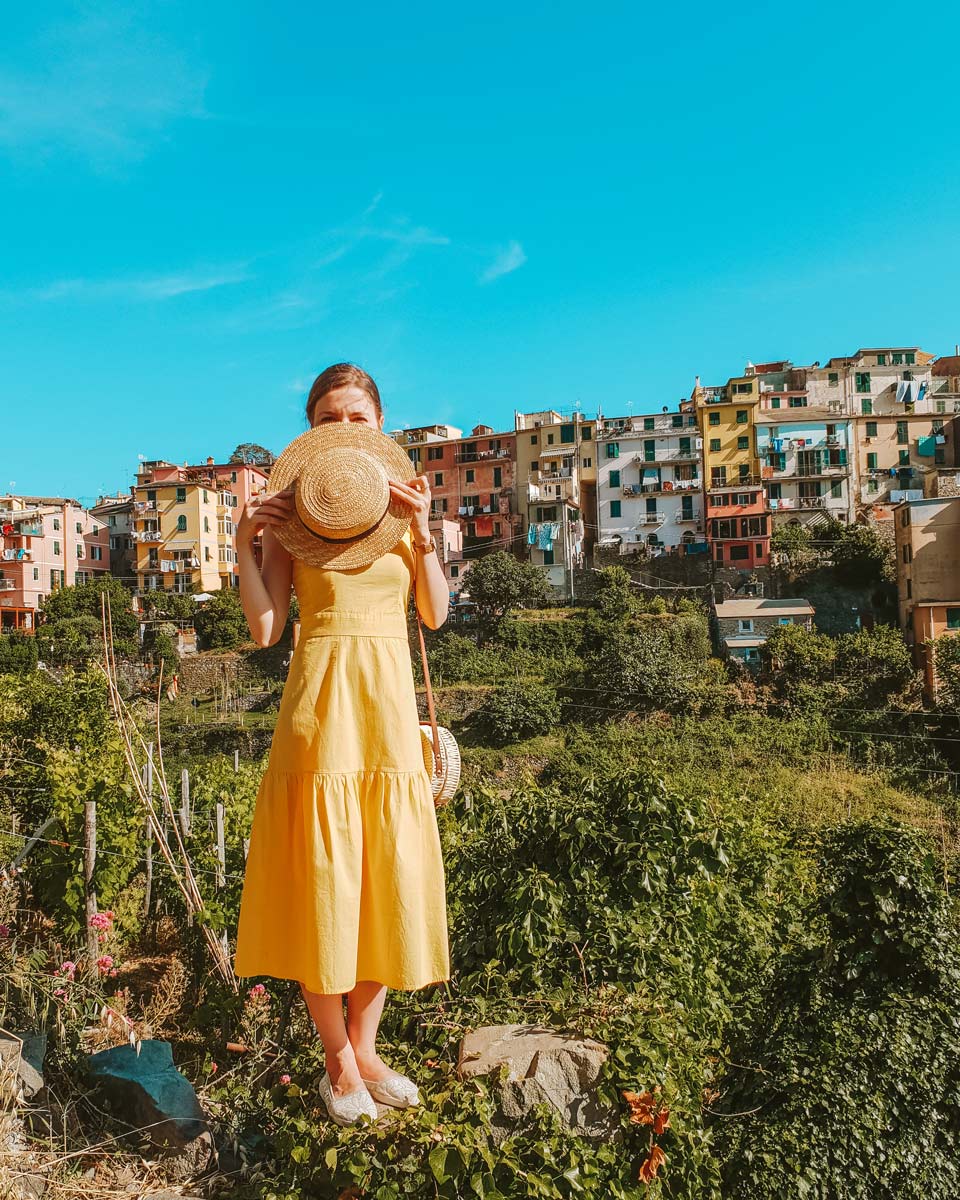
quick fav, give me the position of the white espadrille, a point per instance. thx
(396, 1090)
(348, 1109)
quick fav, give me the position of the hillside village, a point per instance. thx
(703, 495)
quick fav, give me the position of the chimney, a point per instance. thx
(209, 460)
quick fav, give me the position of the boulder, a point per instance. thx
(546, 1066)
(23, 1057)
(148, 1092)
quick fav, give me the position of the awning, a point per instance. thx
(651, 473)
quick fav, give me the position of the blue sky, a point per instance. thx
(496, 208)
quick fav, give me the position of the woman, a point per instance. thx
(344, 887)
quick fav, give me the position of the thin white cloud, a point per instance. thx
(145, 288)
(102, 86)
(509, 259)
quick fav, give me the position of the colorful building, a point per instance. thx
(743, 626)
(48, 542)
(649, 486)
(806, 449)
(557, 464)
(902, 414)
(185, 523)
(928, 576)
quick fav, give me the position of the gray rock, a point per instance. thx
(546, 1066)
(148, 1092)
(22, 1057)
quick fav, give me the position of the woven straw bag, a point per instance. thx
(441, 754)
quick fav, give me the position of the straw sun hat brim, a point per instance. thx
(307, 452)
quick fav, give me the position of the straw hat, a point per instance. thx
(345, 516)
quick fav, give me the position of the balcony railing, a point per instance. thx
(466, 456)
(735, 485)
(7, 585)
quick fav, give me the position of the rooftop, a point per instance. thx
(763, 607)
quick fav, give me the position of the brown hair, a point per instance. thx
(338, 376)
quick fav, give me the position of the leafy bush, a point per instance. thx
(220, 622)
(853, 1084)
(516, 711)
(18, 653)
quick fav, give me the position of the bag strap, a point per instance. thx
(437, 757)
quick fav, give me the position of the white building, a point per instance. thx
(649, 486)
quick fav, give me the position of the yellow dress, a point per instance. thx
(344, 879)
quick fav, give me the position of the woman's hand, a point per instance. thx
(273, 508)
(416, 496)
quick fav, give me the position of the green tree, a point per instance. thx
(18, 653)
(946, 661)
(71, 629)
(499, 582)
(220, 622)
(874, 664)
(799, 663)
(864, 557)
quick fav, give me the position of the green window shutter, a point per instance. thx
(649, 451)
(866, 406)
(614, 478)
(714, 444)
(871, 429)
(843, 458)
(871, 462)
(614, 508)
(649, 423)
(613, 449)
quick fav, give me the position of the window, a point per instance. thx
(615, 508)
(718, 554)
(774, 401)
(738, 553)
(79, 527)
(684, 445)
(649, 423)
(785, 621)
(743, 443)
(871, 462)
(744, 471)
(908, 375)
(745, 625)
(866, 406)
(549, 439)
(909, 590)
(897, 358)
(903, 435)
(56, 522)
(455, 571)
(872, 486)
(903, 458)
(533, 439)
(587, 432)
(498, 477)
(434, 452)
(181, 495)
(586, 462)
(651, 506)
(677, 420)
(79, 549)
(863, 381)
(714, 444)
(871, 429)
(438, 479)
(181, 524)
(953, 618)
(910, 358)
(613, 449)
(743, 389)
(615, 479)
(881, 360)
(649, 451)
(548, 558)
(833, 378)
(797, 402)
(470, 476)
(56, 547)
(775, 491)
(907, 554)
(714, 418)
(743, 416)
(36, 574)
(686, 508)
(567, 433)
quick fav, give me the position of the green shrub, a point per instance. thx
(515, 711)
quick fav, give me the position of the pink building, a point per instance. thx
(48, 542)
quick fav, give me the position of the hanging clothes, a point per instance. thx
(554, 531)
(545, 536)
(532, 534)
(484, 526)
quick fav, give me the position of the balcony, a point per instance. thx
(7, 585)
(468, 456)
(682, 518)
(654, 518)
(736, 485)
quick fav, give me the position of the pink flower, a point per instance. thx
(68, 968)
(284, 1079)
(256, 991)
(114, 971)
(104, 962)
(4, 931)
(60, 992)
(101, 921)
(214, 1068)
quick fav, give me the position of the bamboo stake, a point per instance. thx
(89, 865)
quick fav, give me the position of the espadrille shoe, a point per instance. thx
(348, 1109)
(397, 1090)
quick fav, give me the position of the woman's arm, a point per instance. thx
(265, 592)
(430, 586)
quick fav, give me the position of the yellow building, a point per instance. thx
(726, 419)
(185, 523)
(557, 477)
